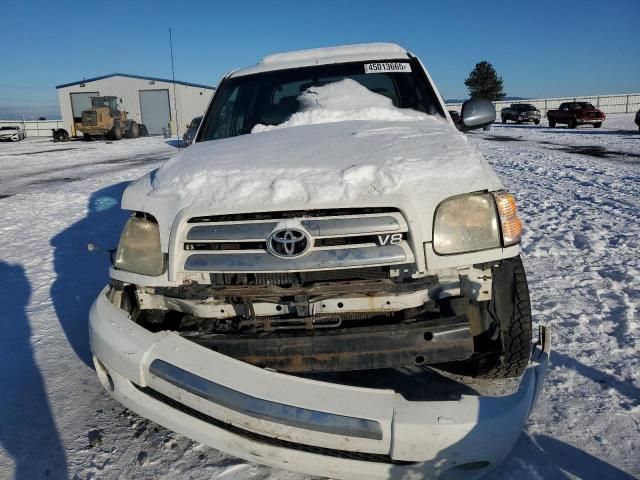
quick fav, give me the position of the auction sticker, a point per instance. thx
(387, 67)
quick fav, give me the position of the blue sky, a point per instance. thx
(541, 48)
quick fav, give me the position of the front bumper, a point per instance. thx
(299, 424)
(589, 120)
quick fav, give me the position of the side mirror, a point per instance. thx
(477, 113)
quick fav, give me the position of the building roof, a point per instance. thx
(322, 56)
(140, 77)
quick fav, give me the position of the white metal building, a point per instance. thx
(147, 100)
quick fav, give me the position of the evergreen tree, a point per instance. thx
(484, 82)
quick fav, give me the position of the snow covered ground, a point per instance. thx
(578, 194)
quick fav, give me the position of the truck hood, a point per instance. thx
(411, 165)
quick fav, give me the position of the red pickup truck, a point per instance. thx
(576, 113)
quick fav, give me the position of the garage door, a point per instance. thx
(154, 105)
(80, 102)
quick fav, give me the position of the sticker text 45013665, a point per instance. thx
(387, 67)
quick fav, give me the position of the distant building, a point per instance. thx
(147, 100)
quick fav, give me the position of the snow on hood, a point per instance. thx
(341, 101)
(409, 165)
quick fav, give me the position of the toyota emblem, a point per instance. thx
(288, 243)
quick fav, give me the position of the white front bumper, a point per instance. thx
(300, 424)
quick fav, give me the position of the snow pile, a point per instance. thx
(341, 101)
(317, 166)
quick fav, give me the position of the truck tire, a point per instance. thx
(115, 133)
(504, 119)
(60, 135)
(142, 128)
(597, 125)
(514, 318)
(87, 137)
(134, 130)
(552, 124)
(504, 349)
(537, 122)
(572, 123)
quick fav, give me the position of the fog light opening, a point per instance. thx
(103, 375)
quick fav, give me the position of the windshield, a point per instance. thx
(577, 106)
(271, 98)
(9, 128)
(104, 102)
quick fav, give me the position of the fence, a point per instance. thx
(625, 103)
(34, 128)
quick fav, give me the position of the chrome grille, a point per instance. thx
(237, 244)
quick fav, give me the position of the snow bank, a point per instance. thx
(341, 101)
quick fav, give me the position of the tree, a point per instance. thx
(484, 82)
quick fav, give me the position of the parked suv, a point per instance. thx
(520, 112)
(329, 218)
(576, 113)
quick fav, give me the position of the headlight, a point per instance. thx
(472, 222)
(139, 247)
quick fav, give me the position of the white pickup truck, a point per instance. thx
(328, 221)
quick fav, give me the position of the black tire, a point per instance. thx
(597, 125)
(115, 133)
(504, 119)
(512, 307)
(134, 130)
(142, 128)
(572, 123)
(552, 124)
(504, 349)
(518, 121)
(537, 122)
(60, 135)
(87, 137)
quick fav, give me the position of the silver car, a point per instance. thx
(15, 134)
(192, 129)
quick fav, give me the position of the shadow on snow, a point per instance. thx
(81, 274)
(27, 430)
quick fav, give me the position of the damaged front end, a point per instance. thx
(312, 291)
(309, 322)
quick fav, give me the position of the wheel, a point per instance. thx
(572, 123)
(552, 124)
(504, 348)
(519, 121)
(537, 122)
(87, 137)
(134, 130)
(597, 125)
(60, 135)
(142, 130)
(504, 119)
(115, 133)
